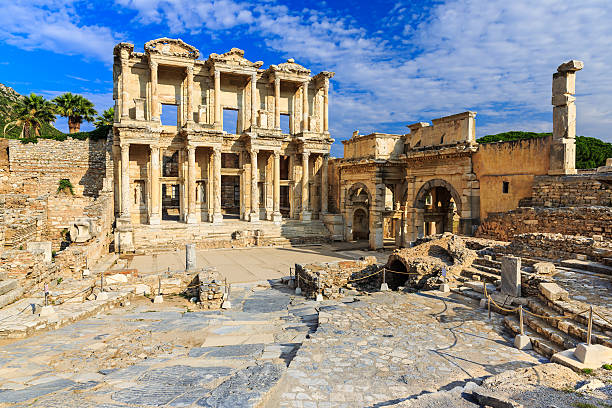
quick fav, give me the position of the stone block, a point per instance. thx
(82, 229)
(384, 287)
(158, 299)
(522, 342)
(593, 354)
(493, 399)
(511, 276)
(115, 278)
(102, 296)
(553, 292)
(544, 268)
(190, 257)
(444, 288)
(47, 311)
(43, 247)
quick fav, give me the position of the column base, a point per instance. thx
(254, 217)
(305, 216)
(124, 237)
(154, 219)
(216, 218)
(277, 217)
(191, 219)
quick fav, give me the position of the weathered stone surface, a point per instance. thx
(544, 268)
(553, 292)
(511, 276)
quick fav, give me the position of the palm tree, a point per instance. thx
(30, 113)
(76, 109)
(106, 119)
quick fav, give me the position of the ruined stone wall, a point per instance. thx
(329, 277)
(22, 219)
(557, 246)
(584, 221)
(515, 163)
(447, 130)
(28, 268)
(37, 168)
(374, 146)
(4, 166)
(569, 191)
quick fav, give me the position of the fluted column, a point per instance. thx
(217, 217)
(305, 107)
(326, 106)
(253, 100)
(189, 107)
(125, 113)
(155, 217)
(125, 181)
(276, 103)
(324, 187)
(276, 215)
(254, 191)
(154, 108)
(305, 215)
(217, 99)
(191, 186)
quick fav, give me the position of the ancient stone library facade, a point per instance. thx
(222, 153)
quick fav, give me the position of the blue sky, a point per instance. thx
(396, 62)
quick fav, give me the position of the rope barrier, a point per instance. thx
(604, 319)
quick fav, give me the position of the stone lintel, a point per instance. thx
(571, 66)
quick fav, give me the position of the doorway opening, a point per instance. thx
(230, 196)
(361, 228)
(171, 202)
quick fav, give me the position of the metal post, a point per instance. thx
(590, 326)
(521, 319)
(46, 294)
(101, 281)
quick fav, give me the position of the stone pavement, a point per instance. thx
(251, 264)
(393, 347)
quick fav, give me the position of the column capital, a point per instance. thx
(154, 147)
(124, 145)
(189, 69)
(305, 154)
(254, 150)
(216, 149)
(153, 63)
(276, 80)
(276, 153)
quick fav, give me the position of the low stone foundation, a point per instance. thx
(328, 278)
(557, 246)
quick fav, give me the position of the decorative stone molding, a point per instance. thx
(290, 67)
(171, 47)
(235, 56)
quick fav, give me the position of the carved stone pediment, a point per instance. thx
(290, 67)
(173, 47)
(235, 56)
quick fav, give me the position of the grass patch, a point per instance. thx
(584, 405)
(607, 366)
(587, 371)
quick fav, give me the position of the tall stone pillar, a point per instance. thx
(253, 100)
(277, 103)
(155, 217)
(125, 181)
(217, 75)
(305, 215)
(276, 215)
(217, 217)
(154, 108)
(376, 217)
(563, 148)
(326, 106)
(324, 184)
(254, 216)
(191, 186)
(125, 68)
(189, 107)
(305, 107)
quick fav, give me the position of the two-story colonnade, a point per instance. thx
(203, 141)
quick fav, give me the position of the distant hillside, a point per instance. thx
(8, 97)
(590, 152)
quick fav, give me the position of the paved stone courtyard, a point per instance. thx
(375, 350)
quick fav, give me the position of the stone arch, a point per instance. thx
(361, 223)
(358, 200)
(419, 201)
(443, 217)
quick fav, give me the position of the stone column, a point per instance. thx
(217, 217)
(189, 107)
(125, 181)
(154, 108)
(155, 217)
(191, 186)
(326, 106)
(305, 214)
(563, 148)
(324, 184)
(253, 101)
(305, 107)
(254, 191)
(217, 99)
(277, 103)
(276, 215)
(125, 67)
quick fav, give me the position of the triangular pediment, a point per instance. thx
(235, 56)
(291, 67)
(172, 47)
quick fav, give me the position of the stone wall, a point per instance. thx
(4, 166)
(328, 278)
(30, 269)
(584, 221)
(513, 163)
(37, 168)
(569, 191)
(558, 247)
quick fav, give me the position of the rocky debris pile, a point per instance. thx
(429, 262)
(330, 278)
(557, 246)
(207, 288)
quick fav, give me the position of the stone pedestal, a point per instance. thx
(298, 291)
(593, 354)
(384, 287)
(444, 288)
(254, 217)
(124, 237)
(191, 219)
(217, 218)
(158, 299)
(190, 257)
(47, 311)
(522, 342)
(102, 296)
(511, 276)
(154, 219)
(277, 218)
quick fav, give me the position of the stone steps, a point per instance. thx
(556, 336)
(588, 266)
(7, 286)
(540, 344)
(469, 272)
(11, 296)
(573, 306)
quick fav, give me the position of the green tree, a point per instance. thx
(106, 119)
(76, 108)
(30, 113)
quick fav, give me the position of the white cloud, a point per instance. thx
(54, 25)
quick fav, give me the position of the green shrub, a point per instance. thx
(587, 371)
(65, 184)
(607, 366)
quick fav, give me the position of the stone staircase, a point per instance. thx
(10, 290)
(548, 336)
